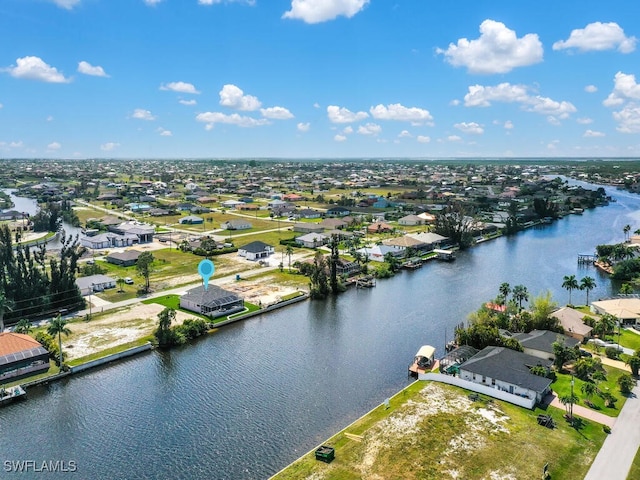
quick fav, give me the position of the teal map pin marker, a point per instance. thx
(206, 269)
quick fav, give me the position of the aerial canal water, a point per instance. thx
(247, 400)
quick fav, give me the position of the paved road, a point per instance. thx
(619, 449)
(585, 412)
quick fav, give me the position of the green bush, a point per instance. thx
(612, 353)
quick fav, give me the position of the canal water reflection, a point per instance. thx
(245, 401)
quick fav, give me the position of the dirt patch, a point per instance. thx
(115, 328)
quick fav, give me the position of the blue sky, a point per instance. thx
(319, 78)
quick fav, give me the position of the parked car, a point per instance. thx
(128, 280)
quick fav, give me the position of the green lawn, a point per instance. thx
(53, 370)
(634, 473)
(173, 301)
(562, 387)
(629, 339)
(432, 431)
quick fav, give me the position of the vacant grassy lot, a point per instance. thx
(562, 387)
(433, 431)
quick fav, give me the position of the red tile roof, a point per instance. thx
(16, 342)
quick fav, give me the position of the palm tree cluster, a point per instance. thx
(570, 283)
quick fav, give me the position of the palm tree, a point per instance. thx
(505, 290)
(569, 400)
(5, 305)
(23, 326)
(626, 230)
(520, 294)
(570, 283)
(606, 324)
(120, 283)
(58, 326)
(289, 251)
(589, 389)
(588, 284)
(634, 364)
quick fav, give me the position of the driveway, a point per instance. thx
(614, 459)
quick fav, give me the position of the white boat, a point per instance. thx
(423, 361)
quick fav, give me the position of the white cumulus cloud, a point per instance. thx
(624, 88)
(187, 102)
(316, 11)
(405, 134)
(591, 89)
(54, 146)
(212, 118)
(276, 113)
(454, 138)
(34, 68)
(233, 97)
(593, 133)
(369, 129)
(142, 114)
(347, 130)
(399, 112)
(152, 3)
(344, 115)
(481, 96)
(423, 139)
(109, 146)
(303, 127)
(180, 87)
(471, 127)
(628, 119)
(165, 133)
(498, 50)
(484, 96)
(88, 69)
(339, 138)
(598, 36)
(508, 125)
(584, 120)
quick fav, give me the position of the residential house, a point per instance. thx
(309, 213)
(231, 203)
(430, 240)
(292, 197)
(572, 322)
(107, 240)
(256, 250)
(411, 220)
(346, 268)
(539, 343)
(212, 301)
(94, 283)
(507, 370)
(332, 224)
(191, 220)
(308, 227)
(404, 242)
(379, 227)
(312, 240)
(627, 310)
(337, 212)
(236, 224)
(21, 356)
(127, 258)
(378, 252)
(143, 232)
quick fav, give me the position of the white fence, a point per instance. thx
(476, 387)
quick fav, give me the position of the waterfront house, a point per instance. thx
(627, 310)
(212, 302)
(21, 356)
(378, 252)
(404, 242)
(312, 240)
(256, 250)
(507, 370)
(127, 258)
(347, 268)
(94, 283)
(429, 240)
(572, 322)
(539, 343)
(236, 224)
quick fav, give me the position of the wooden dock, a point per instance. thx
(586, 259)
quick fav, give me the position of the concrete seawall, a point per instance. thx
(269, 308)
(110, 358)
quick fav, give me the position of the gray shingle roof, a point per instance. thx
(508, 366)
(543, 340)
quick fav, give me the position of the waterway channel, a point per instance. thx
(247, 400)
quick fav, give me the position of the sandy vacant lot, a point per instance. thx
(115, 328)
